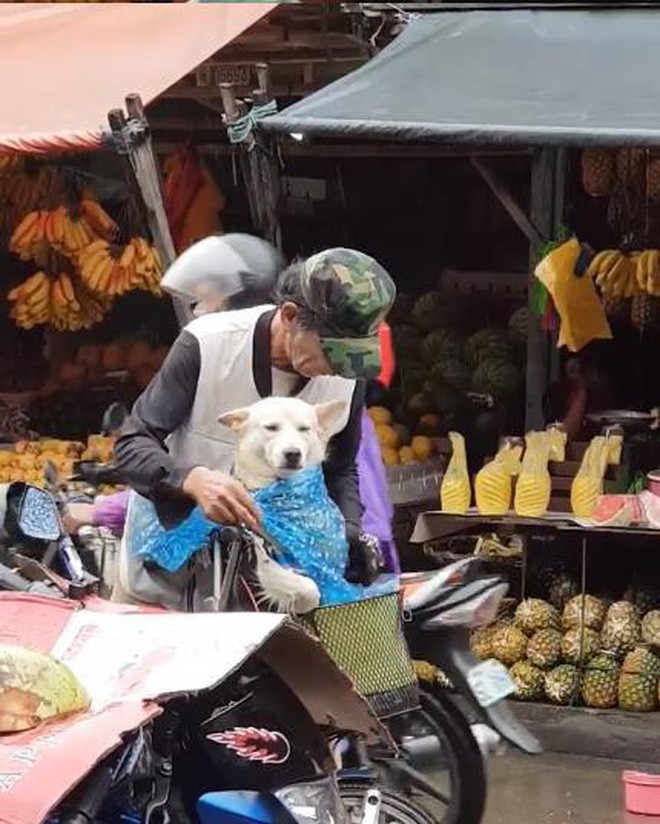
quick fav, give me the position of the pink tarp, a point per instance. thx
(64, 66)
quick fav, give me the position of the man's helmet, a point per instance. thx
(35, 687)
(223, 266)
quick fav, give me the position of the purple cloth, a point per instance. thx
(110, 511)
(378, 511)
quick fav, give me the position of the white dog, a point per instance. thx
(276, 438)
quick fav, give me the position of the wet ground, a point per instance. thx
(553, 789)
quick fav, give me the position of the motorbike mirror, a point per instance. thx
(113, 418)
(37, 516)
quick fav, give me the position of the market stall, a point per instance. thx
(568, 522)
(85, 231)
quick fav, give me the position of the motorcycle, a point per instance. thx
(246, 741)
(439, 609)
(435, 736)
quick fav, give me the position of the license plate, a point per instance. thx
(490, 682)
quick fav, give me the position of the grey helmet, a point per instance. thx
(224, 265)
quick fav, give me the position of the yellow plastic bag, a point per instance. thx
(581, 313)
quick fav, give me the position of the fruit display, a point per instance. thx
(621, 275)
(493, 484)
(81, 263)
(603, 656)
(443, 358)
(58, 301)
(26, 460)
(455, 492)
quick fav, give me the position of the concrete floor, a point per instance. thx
(554, 789)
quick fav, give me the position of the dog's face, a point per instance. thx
(279, 436)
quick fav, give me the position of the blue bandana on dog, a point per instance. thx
(298, 515)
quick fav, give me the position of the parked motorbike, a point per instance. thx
(437, 768)
(274, 763)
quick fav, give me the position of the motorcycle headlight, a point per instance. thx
(318, 802)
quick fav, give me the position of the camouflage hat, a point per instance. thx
(349, 294)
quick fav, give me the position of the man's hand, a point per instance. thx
(221, 498)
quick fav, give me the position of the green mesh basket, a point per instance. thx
(365, 639)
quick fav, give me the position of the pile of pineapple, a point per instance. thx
(604, 655)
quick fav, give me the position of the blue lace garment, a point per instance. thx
(298, 515)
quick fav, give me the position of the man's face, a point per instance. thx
(306, 355)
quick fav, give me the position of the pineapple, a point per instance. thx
(528, 680)
(597, 171)
(455, 488)
(533, 488)
(493, 484)
(589, 610)
(430, 674)
(544, 648)
(621, 629)
(561, 589)
(533, 614)
(562, 684)
(641, 661)
(508, 644)
(481, 642)
(587, 486)
(600, 682)
(578, 645)
(638, 684)
(651, 628)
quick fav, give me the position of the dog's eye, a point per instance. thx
(272, 427)
(304, 429)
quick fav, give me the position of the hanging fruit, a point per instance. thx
(597, 171)
(111, 269)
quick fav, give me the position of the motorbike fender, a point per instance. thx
(455, 658)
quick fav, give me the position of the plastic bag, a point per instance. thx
(298, 515)
(581, 313)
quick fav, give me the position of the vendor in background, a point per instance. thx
(584, 386)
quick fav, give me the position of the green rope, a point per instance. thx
(239, 130)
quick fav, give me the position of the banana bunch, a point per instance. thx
(41, 300)
(67, 231)
(614, 273)
(31, 301)
(8, 162)
(110, 270)
(73, 309)
(25, 188)
(648, 272)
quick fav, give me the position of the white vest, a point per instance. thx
(226, 382)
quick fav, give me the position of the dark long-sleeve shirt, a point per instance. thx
(144, 462)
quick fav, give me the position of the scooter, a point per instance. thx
(250, 747)
(439, 608)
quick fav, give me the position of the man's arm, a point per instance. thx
(140, 452)
(340, 468)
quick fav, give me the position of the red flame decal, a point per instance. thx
(253, 744)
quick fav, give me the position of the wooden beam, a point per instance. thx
(546, 212)
(134, 143)
(521, 220)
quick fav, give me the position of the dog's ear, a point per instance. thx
(329, 414)
(235, 419)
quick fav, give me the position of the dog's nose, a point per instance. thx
(292, 458)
